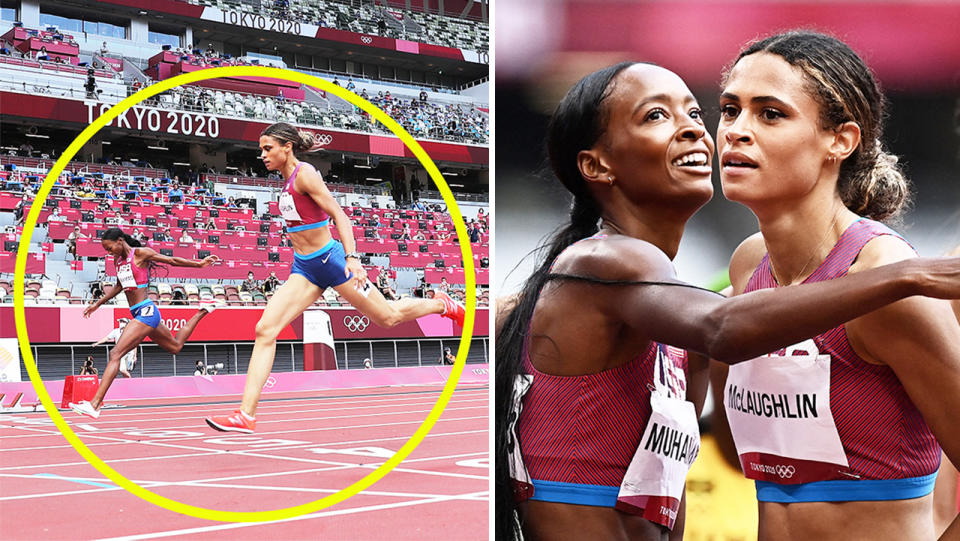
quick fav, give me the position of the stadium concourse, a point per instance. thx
(181, 173)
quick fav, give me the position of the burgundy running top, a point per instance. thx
(882, 431)
(141, 275)
(307, 209)
(586, 429)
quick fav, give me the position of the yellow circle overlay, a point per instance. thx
(215, 514)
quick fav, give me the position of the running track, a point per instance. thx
(307, 445)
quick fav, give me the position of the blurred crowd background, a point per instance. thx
(544, 46)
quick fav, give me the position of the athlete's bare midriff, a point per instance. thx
(548, 521)
(894, 520)
(309, 241)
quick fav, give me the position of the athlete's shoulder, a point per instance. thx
(308, 176)
(615, 257)
(882, 250)
(745, 259)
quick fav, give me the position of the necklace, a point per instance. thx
(836, 217)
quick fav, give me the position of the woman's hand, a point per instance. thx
(89, 310)
(209, 260)
(359, 273)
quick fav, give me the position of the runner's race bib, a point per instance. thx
(125, 275)
(522, 485)
(778, 407)
(654, 482)
(288, 209)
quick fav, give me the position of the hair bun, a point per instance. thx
(306, 140)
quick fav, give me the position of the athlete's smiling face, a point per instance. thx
(655, 144)
(274, 153)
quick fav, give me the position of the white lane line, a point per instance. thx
(202, 426)
(218, 527)
(432, 434)
(261, 420)
(334, 466)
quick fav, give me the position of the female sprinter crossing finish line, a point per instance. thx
(133, 263)
(319, 262)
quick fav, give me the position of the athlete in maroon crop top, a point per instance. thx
(800, 144)
(595, 429)
(132, 263)
(320, 261)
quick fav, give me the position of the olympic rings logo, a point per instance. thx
(323, 139)
(356, 323)
(366, 39)
(785, 472)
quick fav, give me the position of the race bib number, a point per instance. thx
(288, 209)
(522, 485)
(125, 275)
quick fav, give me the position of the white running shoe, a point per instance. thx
(208, 306)
(84, 408)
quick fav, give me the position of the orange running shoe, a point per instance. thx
(451, 308)
(238, 422)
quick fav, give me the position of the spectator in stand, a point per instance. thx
(178, 298)
(336, 82)
(175, 191)
(201, 369)
(271, 283)
(103, 49)
(167, 237)
(419, 236)
(211, 225)
(231, 203)
(55, 216)
(20, 210)
(444, 285)
(350, 85)
(250, 285)
(476, 234)
(26, 149)
(383, 284)
(447, 357)
(185, 237)
(72, 241)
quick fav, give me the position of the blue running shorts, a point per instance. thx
(323, 268)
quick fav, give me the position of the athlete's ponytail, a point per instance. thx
(578, 122)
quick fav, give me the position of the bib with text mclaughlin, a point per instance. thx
(288, 209)
(778, 407)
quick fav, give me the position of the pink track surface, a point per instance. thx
(308, 444)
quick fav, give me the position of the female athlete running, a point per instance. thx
(133, 263)
(320, 262)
